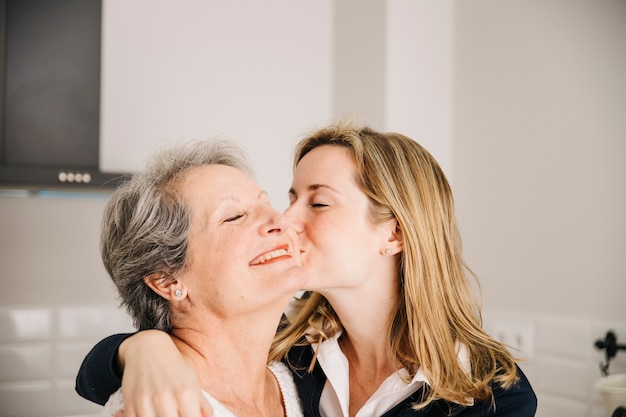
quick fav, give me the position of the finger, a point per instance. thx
(192, 404)
(175, 404)
(207, 410)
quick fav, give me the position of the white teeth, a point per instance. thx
(272, 255)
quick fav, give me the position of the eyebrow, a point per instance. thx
(207, 218)
(313, 187)
(261, 194)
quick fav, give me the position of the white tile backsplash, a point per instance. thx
(69, 356)
(26, 362)
(90, 322)
(68, 403)
(25, 325)
(563, 377)
(563, 337)
(41, 349)
(26, 399)
(566, 362)
(555, 406)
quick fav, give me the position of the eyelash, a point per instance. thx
(234, 218)
(292, 201)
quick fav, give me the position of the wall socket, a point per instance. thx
(518, 337)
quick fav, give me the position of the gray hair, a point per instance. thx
(145, 226)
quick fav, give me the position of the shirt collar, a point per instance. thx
(392, 391)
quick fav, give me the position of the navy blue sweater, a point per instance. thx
(97, 379)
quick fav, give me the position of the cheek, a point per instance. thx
(220, 254)
(319, 230)
(331, 238)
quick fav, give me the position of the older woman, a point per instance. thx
(394, 325)
(196, 250)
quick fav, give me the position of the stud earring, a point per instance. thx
(388, 251)
(178, 293)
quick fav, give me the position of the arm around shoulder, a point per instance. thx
(98, 376)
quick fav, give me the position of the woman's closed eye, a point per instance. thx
(318, 205)
(234, 217)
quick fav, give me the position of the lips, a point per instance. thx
(268, 256)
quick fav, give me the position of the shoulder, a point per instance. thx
(517, 400)
(114, 404)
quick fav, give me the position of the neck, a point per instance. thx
(366, 318)
(364, 321)
(233, 350)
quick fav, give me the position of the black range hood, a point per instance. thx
(50, 95)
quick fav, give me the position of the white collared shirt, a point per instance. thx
(335, 398)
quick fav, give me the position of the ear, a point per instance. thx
(166, 286)
(393, 243)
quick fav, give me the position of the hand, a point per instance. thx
(157, 381)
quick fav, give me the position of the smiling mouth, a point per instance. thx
(269, 256)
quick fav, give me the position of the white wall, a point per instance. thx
(540, 181)
(256, 72)
(419, 74)
(539, 147)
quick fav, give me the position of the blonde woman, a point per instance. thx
(393, 325)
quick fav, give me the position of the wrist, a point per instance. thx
(138, 344)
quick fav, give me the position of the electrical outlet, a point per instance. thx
(518, 337)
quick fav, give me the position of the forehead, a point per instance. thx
(326, 160)
(327, 166)
(214, 183)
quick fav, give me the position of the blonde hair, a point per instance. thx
(438, 307)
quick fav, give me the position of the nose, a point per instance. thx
(294, 218)
(276, 222)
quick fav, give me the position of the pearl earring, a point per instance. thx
(178, 293)
(388, 251)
